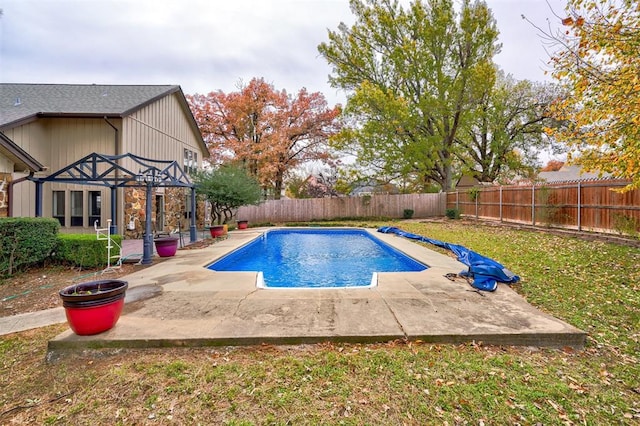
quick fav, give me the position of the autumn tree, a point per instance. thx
(552, 166)
(506, 130)
(597, 61)
(412, 77)
(269, 131)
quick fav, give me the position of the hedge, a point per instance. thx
(26, 241)
(85, 250)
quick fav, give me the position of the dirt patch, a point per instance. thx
(37, 288)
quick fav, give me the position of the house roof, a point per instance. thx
(20, 103)
(572, 173)
(21, 159)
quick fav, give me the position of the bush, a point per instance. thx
(84, 250)
(407, 214)
(453, 213)
(25, 241)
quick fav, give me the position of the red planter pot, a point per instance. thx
(166, 246)
(217, 231)
(95, 306)
(243, 224)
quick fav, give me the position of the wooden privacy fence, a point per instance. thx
(303, 210)
(586, 205)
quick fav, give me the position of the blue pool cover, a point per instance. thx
(485, 272)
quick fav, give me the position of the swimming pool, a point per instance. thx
(317, 258)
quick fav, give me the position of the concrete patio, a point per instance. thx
(178, 302)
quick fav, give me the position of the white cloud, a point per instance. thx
(207, 45)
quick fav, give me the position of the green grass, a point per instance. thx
(592, 285)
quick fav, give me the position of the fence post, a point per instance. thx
(500, 203)
(477, 196)
(458, 200)
(579, 206)
(533, 205)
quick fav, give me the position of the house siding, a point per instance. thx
(58, 142)
(28, 137)
(6, 165)
(160, 131)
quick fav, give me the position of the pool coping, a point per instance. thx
(180, 303)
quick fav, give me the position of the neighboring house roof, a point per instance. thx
(22, 160)
(20, 103)
(570, 174)
(467, 181)
(372, 187)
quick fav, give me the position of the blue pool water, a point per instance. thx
(317, 258)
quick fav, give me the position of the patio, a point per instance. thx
(178, 302)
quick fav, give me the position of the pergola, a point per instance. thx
(105, 170)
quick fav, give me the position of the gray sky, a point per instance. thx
(206, 45)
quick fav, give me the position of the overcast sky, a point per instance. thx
(207, 45)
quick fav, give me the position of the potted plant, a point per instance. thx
(166, 245)
(217, 231)
(94, 306)
(243, 224)
(226, 189)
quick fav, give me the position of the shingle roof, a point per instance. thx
(19, 102)
(570, 174)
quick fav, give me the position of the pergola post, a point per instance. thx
(114, 211)
(193, 237)
(39, 198)
(147, 243)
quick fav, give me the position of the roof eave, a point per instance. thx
(19, 156)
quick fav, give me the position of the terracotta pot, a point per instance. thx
(94, 306)
(166, 246)
(217, 230)
(243, 224)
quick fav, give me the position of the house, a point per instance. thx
(373, 187)
(571, 173)
(46, 128)
(467, 181)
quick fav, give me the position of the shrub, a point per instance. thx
(25, 241)
(453, 213)
(407, 214)
(84, 250)
(626, 225)
(227, 188)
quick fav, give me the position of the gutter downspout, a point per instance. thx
(114, 193)
(10, 192)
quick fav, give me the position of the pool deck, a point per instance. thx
(179, 303)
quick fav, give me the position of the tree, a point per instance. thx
(597, 61)
(413, 77)
(552, 166)
(268, 131)
(506, 130)
(227, 188)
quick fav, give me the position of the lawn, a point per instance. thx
(594, 286)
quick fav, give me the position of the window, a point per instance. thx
(58, 206)
(76, 208)
(190, 161)
(95, 207)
